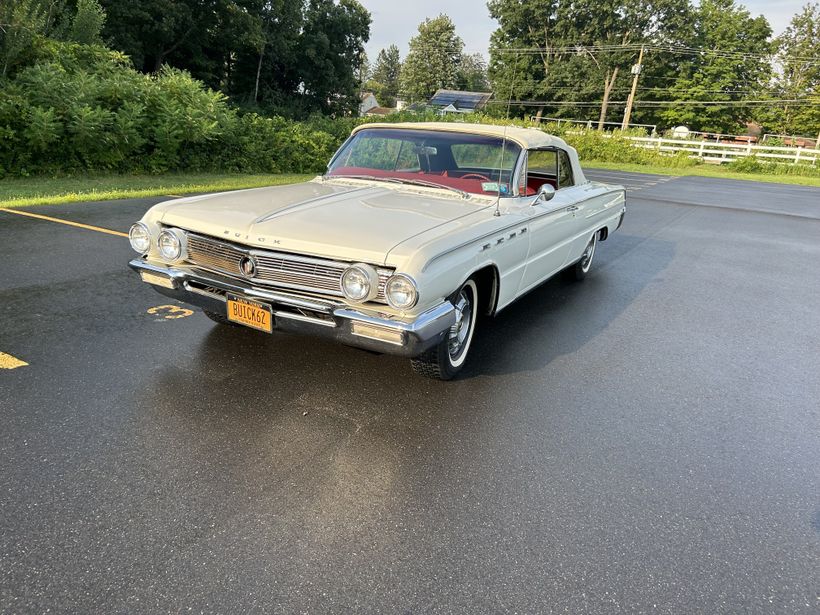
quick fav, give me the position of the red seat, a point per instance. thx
(534, 183)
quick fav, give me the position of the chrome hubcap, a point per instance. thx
(586, 258)
(461, 328)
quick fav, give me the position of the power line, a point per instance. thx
(630, 47)
(659, 103)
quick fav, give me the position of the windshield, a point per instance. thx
(463, 162)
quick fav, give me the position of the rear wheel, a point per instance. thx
(580, 270)
(447, 358)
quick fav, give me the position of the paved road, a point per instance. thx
(646, 441)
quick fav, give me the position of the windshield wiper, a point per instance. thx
(401, 180)
(392, 180)
(429, 184)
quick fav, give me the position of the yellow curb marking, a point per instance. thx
(88, 227)
(171, 311)
(9, 362)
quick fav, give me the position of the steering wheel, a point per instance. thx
(478, 175)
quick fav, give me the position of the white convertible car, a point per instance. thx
(414, 231)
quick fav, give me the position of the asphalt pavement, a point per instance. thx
(646, 441)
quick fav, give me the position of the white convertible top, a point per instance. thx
(527, 138)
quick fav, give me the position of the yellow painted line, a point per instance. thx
(87, 227)
(9, 362)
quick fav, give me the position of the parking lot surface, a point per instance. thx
(645, 441)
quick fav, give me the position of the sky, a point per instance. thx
(396, 21)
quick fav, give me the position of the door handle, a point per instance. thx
(573, 208)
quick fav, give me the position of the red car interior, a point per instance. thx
(473, 183)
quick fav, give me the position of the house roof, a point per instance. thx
(380, 111)
(460, 99)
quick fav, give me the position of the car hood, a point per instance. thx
(328, 219)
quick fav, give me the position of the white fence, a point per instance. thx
(710, 151)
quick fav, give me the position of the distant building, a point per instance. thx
(458, 101)
(380, 111)
(368, 102)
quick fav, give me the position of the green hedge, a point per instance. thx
(82, 108)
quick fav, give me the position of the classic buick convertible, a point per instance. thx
(414, 231)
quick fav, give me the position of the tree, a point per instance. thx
(433, 60)
(797, 51)
(571, 54)
(472, 73)
(87, 24)
(384, 80)
(268, 73)
(733, 65)
(19, 23)
(290, 57)
(332, 48)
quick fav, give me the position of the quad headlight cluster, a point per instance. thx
(171, 243)
(360, 283)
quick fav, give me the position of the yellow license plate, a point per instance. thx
(250, 313)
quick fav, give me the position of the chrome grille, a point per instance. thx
(274, 268)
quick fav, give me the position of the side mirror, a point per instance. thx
(545, 193)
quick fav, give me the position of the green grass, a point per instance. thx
(704, 170)
(57, 190)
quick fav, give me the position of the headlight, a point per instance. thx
(171, 244)
(139, 237)
(401, 291)
(360, 283)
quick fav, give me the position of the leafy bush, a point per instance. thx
(752, 164)
(82, 108)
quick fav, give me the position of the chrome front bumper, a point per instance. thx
(304, 314)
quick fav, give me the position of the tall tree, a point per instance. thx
(268, 73)
(202, 36)
(289, 57)
(385, 76)
(332, 48)
(732, 65)
(472, 73)
(798, 50)
(87, 24)
(567, 53)
(433, 59)
(22, 22)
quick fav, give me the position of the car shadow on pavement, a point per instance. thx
(563, 315)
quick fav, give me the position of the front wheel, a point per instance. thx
(445, 360)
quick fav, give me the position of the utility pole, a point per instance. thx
(636, 71)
